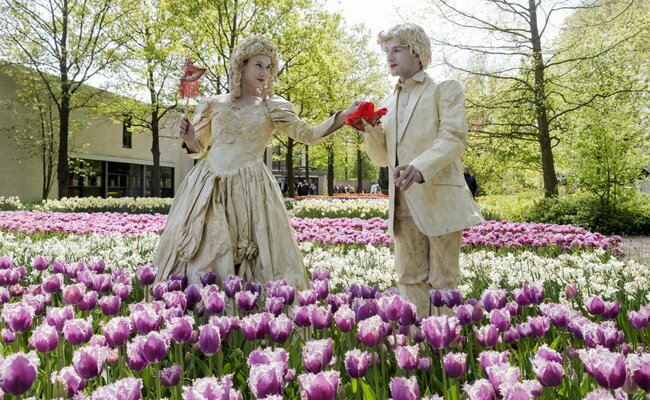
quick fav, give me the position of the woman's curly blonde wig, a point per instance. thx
(410, 35)
(252, 46)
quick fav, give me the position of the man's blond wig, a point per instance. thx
(411, 36)
(250, 47)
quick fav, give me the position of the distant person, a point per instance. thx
(471, 181)
(375, 188)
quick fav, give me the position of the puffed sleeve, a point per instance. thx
(202, 127)
(452, 131)
(286, 120)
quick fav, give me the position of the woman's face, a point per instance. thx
(256, 71)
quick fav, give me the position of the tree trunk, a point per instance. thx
(288, 160)
(155, 137)
(548, 166)
(330, 169)
(359, 169)
(62, 166)
(307, 165)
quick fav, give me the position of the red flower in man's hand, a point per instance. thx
(365, 111)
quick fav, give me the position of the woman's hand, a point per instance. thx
(187, 133)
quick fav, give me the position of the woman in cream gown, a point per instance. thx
(229, 215)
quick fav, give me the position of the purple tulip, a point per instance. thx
(407, 357)
(267, 356)
(40, 263)
(389, 308)
(301, 315)
(45, 338)
(146, 317)
(232, 285)
(146, 274)
(89, 361)
(525, 330)
(18, 316)
(211, 384)
(110, 305)
(638, 368)
(124, 389)
(192, 295)
(502, 375)
(424, 364)
(208, 278)
(611, 309)
(320, 275)
(492, 299)
(357, 363)
(225, 324)
(539, 325)
(213, 300)
(280, 328)
(512, 307)
(321, 317)
(481, 389)
(246, 300)
(408, 314)
(435, 296)
(520, 297)
(175, 300)
(364, 308)
(123, 290)
(321, 288)
(254, 287)
(396, 341)
(464, 314)
(274, 305)
(606, 367)
(440, 331)
(489, 358)
(69, 378)
(455, 364)
(571, 291)
(154, 347)
(282, 290)
(56, 316)
(321, 386)
(452, 298)
(101, 283)
(78, 331)
(371, 331)
(180, 329)
(72, 294)
(307, 297)
(5, 296)
(88, 302)
(317, 354)
(500, 318)
(255, 326)
(134, 358)
(18, 372)
(595, 305)
(209, 339)
(171, 375)
(534, 292)
(345, 319)
(639, 320)
(338, 300)
(549, 373)
(487, 335)
(53, 283)
(159, 289)
(404, 389)
(266, 380)
(117, 331)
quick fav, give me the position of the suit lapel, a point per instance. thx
(413, 101)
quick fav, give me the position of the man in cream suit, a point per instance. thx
(421, 139)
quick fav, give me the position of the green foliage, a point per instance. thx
(628, 218)
(508, 207)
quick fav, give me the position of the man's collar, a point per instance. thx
(412, 81)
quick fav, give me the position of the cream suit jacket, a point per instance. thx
(431, 137)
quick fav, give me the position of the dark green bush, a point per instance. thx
(628, 218)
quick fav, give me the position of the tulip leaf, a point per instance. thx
(368, 393)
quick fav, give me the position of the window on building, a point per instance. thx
(166, 181)
(127, 135)
(86, 179)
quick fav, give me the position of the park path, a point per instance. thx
(637, 248)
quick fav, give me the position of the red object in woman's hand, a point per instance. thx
(365, 111)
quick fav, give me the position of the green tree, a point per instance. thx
(69, 40)
(514, 31)
(607, 144)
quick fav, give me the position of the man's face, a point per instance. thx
(400, 60)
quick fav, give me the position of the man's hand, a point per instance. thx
(405, 176)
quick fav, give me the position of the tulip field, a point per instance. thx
(543, 311)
